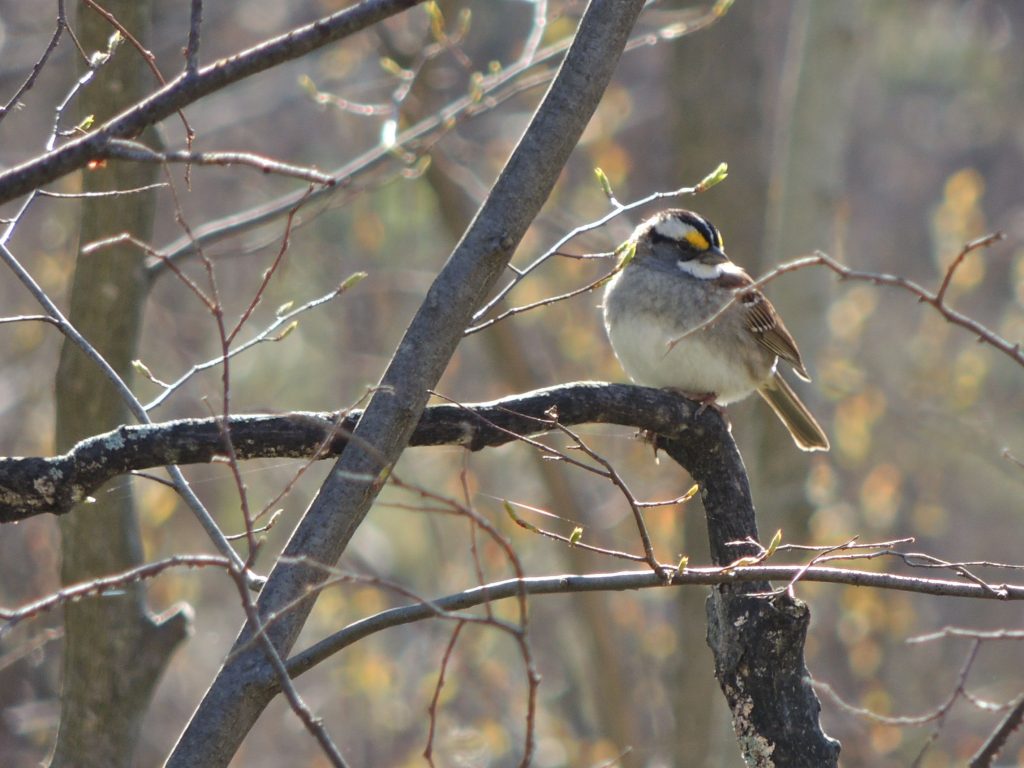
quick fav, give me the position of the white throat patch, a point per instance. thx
(708, 271)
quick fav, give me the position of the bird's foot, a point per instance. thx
(706, 400)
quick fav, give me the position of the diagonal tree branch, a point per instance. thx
(191, 86)
(234, 700)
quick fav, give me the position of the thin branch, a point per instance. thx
(994, 744)
(428, 751)
(147, 55)
(907, 720)
(180, 483)
(569, 540)
(124, 149)
(976, 634)
(935, 299)
(556, 249)
(385, 428)
(311, 723)
(491, 91)
(104, 585)
(626, 580)
(190, 87)
(977, 244)
(616, 479)
(30, 648)
(277, 330)
(268, 274)
(108, 193)
(29, 318)
(62, 24)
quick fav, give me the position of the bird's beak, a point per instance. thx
(713, 256)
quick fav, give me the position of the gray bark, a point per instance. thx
(234, 700)
(757, 641)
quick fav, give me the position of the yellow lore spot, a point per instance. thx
(697, 240)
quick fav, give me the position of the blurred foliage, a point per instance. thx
(918, 412)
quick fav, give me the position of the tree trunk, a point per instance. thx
(114, 649)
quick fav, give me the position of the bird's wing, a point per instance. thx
(764, 322)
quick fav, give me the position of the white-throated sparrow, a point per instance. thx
(658, 310)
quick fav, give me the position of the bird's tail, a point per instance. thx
(806, 432)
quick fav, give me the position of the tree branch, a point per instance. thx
(33, 485)
(233, 702)
(191, 86)
(623, 580)
(757, 640)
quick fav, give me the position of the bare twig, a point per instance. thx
(311, 723)
(108, 193)
(30, 318)
(189, 87)
(428, 750)
(616, 479)
(932, 716)
(33, 646)
(994, 744)
(975, 634)
(61, 26)
(277, 330)
(146, 54)
(935, 299)
(490, 91)
(105, 585)
(126, 149)
(982, 242)
(520, 273)
(624, 580)
(268, 274)
(571, 541)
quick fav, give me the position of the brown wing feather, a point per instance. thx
(763, 321)
(768, 328)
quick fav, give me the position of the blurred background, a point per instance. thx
(886, 134)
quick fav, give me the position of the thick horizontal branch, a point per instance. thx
(33, 485)
(623, 580)
(192, 86)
